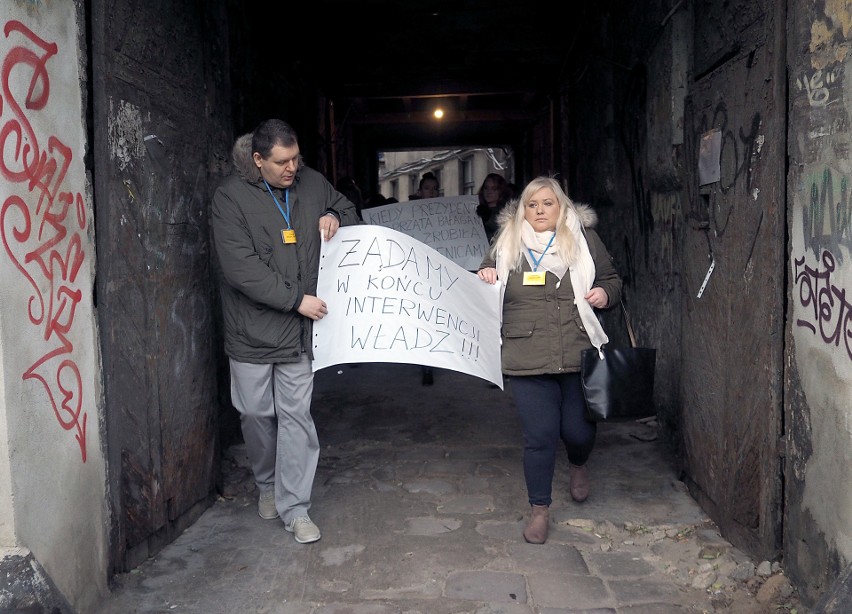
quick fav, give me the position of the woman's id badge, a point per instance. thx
(288, 235)
(534, 278)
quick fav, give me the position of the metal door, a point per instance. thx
(733, 332)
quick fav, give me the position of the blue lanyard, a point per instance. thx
(547, 247)
(286, 200)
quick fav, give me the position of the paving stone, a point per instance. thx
(445, 467)
(430, 486)
(571, 611)
(481, 504)
(549, 557)
(421, 453)
(655, 608)
(357, 608)
(341, 555)
(487, 586)
(615, 564)
(503, 608)
(639, 591)
(563, 590)
(571, 535)
(431, 526)
(473, 486)
(509, 531)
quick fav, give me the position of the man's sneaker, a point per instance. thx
(303, 529)
(266, 504)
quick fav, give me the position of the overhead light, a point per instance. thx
(439, 113)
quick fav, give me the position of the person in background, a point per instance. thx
(268, 221)
(493, 195)
(375, 200)
(556, 272)
(347, 186)
(428, 187)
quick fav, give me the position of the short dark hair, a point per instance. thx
(427, 176)
(272, 132)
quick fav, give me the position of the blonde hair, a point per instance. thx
(508, 239)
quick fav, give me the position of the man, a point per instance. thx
(268, 220)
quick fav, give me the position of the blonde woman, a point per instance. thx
(556, 272)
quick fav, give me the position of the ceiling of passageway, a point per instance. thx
(387, 63)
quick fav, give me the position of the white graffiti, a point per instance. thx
(817, 87)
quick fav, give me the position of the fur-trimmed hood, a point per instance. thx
(508, 248)
(242, 160)
(587, 216)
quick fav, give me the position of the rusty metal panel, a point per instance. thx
(733, 333)
(159, 146)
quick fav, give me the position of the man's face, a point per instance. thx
(279, 168)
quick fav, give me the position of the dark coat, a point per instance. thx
(542, 331)
(264, 279)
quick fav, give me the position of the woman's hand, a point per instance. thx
(488, 274)
(597, 297)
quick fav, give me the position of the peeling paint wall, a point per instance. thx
(819, 354)
(53, 478)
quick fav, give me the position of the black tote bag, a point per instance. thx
(620, 386)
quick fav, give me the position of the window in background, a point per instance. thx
(459, 170)
(439, 174)
(468, 183)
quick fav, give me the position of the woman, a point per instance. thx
(544, 240)
(493, 194)
(428, 187)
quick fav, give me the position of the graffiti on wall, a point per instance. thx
(816, 86)
(829, 311)
(827, 214)
(41, 224)
(740, 149)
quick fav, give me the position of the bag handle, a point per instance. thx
(629, 325)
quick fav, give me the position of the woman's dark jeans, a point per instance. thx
(551, 407)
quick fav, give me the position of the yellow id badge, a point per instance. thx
(288, 235)
(534, 278)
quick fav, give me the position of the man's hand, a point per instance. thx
(328, 226)
(313, 307)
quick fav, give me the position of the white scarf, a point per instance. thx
(582, 271)
(535, 244)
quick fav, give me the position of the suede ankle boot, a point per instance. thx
(579, 476)
(537, 527)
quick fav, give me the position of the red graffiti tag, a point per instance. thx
(41, 225)
(832, 313)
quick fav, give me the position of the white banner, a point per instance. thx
(393, 299)
(448, 225)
